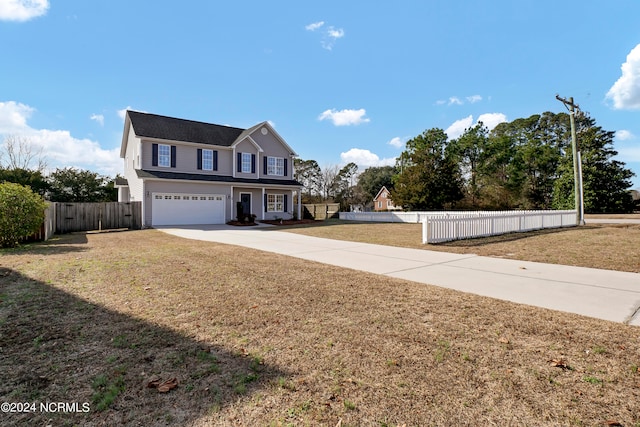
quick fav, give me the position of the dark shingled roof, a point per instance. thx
(214, 178)
(162, 127)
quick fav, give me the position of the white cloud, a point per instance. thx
(396, 142)
(624, 135)
(22, 10)
(98, 118)
(345, 117)
(13, 116)
(122, 113)
(335, 33)
(489, 120)
(59, 147)
(329, 35)
(365, 158)
(454, 100)
(457, 128)
(625, 93)
(314, 26)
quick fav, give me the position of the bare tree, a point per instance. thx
(328, 181)
(19, 152)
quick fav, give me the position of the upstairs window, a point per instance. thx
(207, 160)
(275, 166)
(164, 155)
(246, 162)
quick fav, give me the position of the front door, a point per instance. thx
(245, 201)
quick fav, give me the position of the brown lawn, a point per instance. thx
(255, 339)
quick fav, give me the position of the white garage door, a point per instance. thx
(185, 209)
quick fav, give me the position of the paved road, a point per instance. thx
(603, 294)
(611, 221)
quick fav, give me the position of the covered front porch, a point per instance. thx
(265, 203)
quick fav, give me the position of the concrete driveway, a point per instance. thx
(603, 294)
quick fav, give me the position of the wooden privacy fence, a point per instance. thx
(321, 210)
(71, 217)
(439, 229)
(46, 229)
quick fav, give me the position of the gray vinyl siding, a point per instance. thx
(247, 147)
(270, 144)
(272, 148)
(130, 165)
(187, 158)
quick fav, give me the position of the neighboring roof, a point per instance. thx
(121, 182)
(214, 178)
(162, 127)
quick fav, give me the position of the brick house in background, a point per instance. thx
(383, 202)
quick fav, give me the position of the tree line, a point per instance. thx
(523, 164)
(21, 163)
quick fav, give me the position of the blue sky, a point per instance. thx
(341, 81)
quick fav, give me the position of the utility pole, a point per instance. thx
(577, 163)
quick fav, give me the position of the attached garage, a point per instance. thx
(186, 209)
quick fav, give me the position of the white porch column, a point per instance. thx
(262, 209)
(232, 205)
(299, 204)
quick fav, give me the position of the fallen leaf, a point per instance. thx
(612, 423)
(167, 385)
(163, 386)
(154, 383)
(503, 340)
(559, 363)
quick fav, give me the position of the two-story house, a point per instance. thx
(383, 202)
(189, 172)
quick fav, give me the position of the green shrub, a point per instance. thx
(21, 213)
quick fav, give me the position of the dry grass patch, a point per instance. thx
(606, 246)
(255, 338)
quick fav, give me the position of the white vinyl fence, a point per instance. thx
(445, 229)
(444, 226)
(413, 217)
